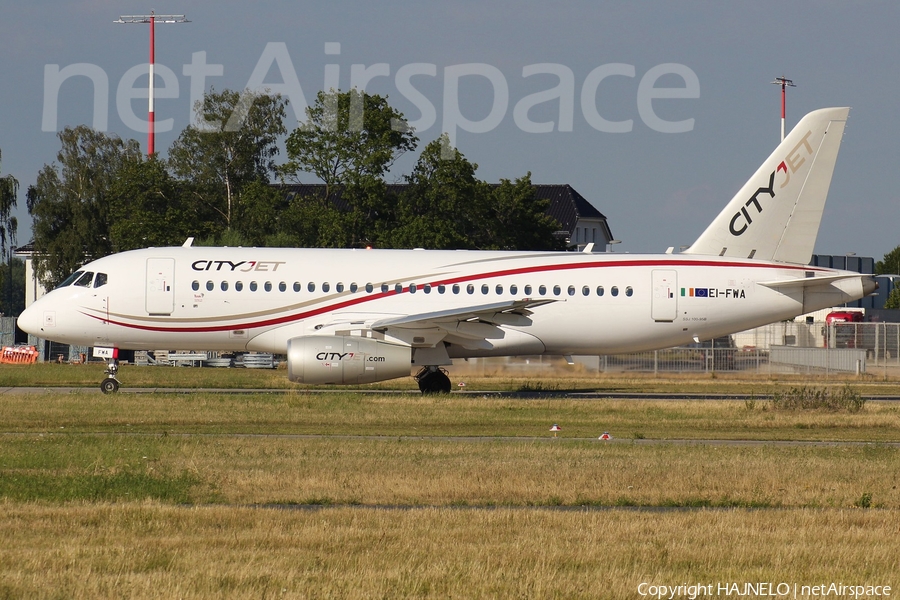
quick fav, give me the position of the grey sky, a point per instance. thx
(657, 189)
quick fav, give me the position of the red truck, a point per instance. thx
(842, 325)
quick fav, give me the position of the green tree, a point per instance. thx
(349, 142)
(71, 200)
(9, 193)
(893, 299)
(442, 204)
(235, 144)
(149, 208)
(517, 220)
(348, 136)
(12, 287)
(890, 265)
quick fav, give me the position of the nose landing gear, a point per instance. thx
(110, 385)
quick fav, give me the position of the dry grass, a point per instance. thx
(443, 472)
(456, 415)
(90, 486)
(156, 551)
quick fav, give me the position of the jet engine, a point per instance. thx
(318, 359)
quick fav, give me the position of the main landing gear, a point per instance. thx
(433, 380)
(110, 385)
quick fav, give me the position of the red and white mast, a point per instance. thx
(152, 19)
(784, 83)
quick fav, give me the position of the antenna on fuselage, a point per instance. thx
(188, 243)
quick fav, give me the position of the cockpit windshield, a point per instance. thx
(68, 280)
(84, 279)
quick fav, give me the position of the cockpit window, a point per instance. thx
(68, 280)
(85, 280)
(99, 280)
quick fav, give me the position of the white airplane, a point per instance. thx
(361, 316)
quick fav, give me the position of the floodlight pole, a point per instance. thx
(784, 83)
(152, 18)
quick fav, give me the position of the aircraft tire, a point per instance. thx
(435, 382)
(109, 386)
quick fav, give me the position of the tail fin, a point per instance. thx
(776, 214)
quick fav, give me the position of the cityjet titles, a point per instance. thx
(713, 293)
(743, 218)
(339, 356)
(242, 266)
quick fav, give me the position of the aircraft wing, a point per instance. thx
(469, 326)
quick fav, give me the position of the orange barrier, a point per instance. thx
(18, 355)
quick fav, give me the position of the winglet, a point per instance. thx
(776, 215)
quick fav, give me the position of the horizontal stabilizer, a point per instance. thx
(807, 281)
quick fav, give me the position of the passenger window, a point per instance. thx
(412, 288)
(85, 280)
(484, 288)
(325, 287)
(599, 290)
(629, 292)
(268, 286)
(470, 289)
(398, 288)
(311, 286)
(513, 289)
(614, 291)
(556, 290)
(353, 288)
(455, 288)
(369, 288)
(297, 286)
(195, 285)
(542, 290)
(253, 286)
(339, 287)
(427, 288)
(210, 286)
(239, 285)
(100, 280)
(585, 291)
(499, 289)
(442, 288)
(571, 290)
(385, 287)
(224, 286)
(527, 290)
(282, 287)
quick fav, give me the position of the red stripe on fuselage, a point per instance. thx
(465, 278)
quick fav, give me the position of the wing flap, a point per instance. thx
(500, 313)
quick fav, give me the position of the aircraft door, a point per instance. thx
(664, 303)
(160, 292)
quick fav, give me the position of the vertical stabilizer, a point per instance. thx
(776, 215)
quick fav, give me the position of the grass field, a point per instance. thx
(347, 495)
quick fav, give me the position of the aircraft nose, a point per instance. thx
(31, 320)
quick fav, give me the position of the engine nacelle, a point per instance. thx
(317, 359)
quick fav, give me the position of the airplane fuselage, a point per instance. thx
(258, 298)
